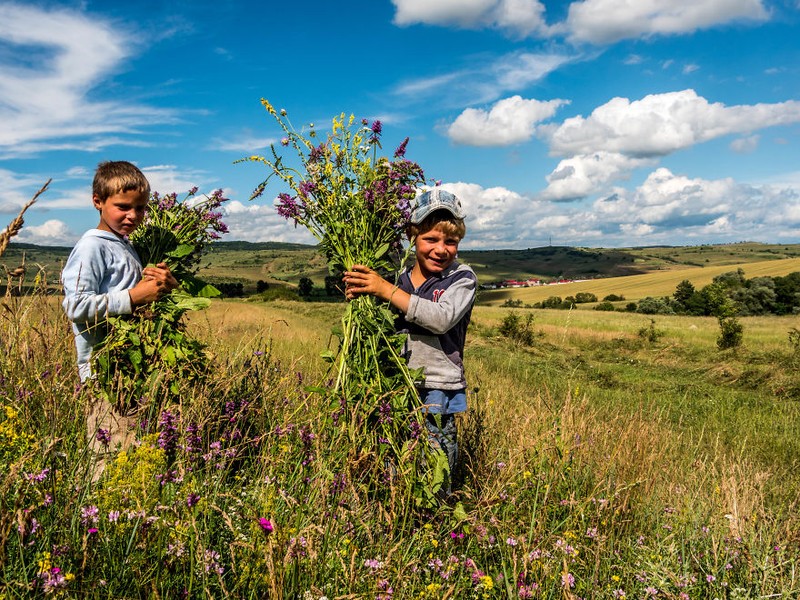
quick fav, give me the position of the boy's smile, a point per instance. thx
(121, 213)
(435, 252)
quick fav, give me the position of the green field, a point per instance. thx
(603, 455)
(635, 287)
(623, 453)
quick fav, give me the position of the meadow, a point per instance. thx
(615, 455)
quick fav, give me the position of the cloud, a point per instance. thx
(247, 144)
(53, 59)
(49, 233)
(682, 209)
(659, 124)
(261, 223)
(666, 208)
(584, 174)
(609, 21)
(166, 179)
(745, 145)
(483, 82)
(17, 190)
(516, 17)
(509, 121)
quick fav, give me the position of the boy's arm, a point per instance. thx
(454, 303)
(363, 280)
(156, 282)
(83, 302)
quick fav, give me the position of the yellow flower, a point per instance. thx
(487, 582)
(615, 578)
(435, 543)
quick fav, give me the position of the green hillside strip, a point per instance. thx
(635, 287)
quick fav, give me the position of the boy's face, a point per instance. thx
(121, 213)
(435, 251)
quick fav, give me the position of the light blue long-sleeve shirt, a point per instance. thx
(96, 278)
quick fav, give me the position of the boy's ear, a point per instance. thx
(98, 203)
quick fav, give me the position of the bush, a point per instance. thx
(650, 333)
(509, 303)
(614, 298)
(655, 306)
(517, 329)
(731, 332)
(605, 306)
(278, 292)
(585, 297)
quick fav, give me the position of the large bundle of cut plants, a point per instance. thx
(150, 352)
(357, 205)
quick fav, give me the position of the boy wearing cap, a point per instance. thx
(435, 299)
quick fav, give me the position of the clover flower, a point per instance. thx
(266, 525)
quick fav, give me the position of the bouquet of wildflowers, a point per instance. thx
(357, 205)
(151, 347)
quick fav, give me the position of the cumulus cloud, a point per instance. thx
(659, 124)
(670, 206)
(261, 223)
(666, 208)
(608, 21)
(53, 59)
(509, 121)
(584, 174)
(49, 233)
(517, 17)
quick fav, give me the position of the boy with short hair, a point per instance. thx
(435, 299)
(103, 277)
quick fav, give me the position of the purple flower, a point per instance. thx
(37, 477)
(306, 188)
(567, 580)
(104, 437)
(401, 149)
(288, 207)
(89, 515)
(168, 437)
(266, 525)
(192, 499)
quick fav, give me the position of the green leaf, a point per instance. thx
(328, 356)
(197, 287)
(135, 357)
(381, 251)
(181, 251)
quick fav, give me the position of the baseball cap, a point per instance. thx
(436, 199)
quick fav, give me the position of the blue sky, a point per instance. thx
(593, 123)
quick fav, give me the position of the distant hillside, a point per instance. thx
(247, 262)
(635, 287)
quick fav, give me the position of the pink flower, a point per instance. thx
(266, 525)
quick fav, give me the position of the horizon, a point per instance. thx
(585, 124)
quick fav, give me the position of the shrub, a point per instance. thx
(607, 306)
(517, 329)
(584, 297)
(655, 306)
(650, 333)
(614, 298)
(730, 333)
